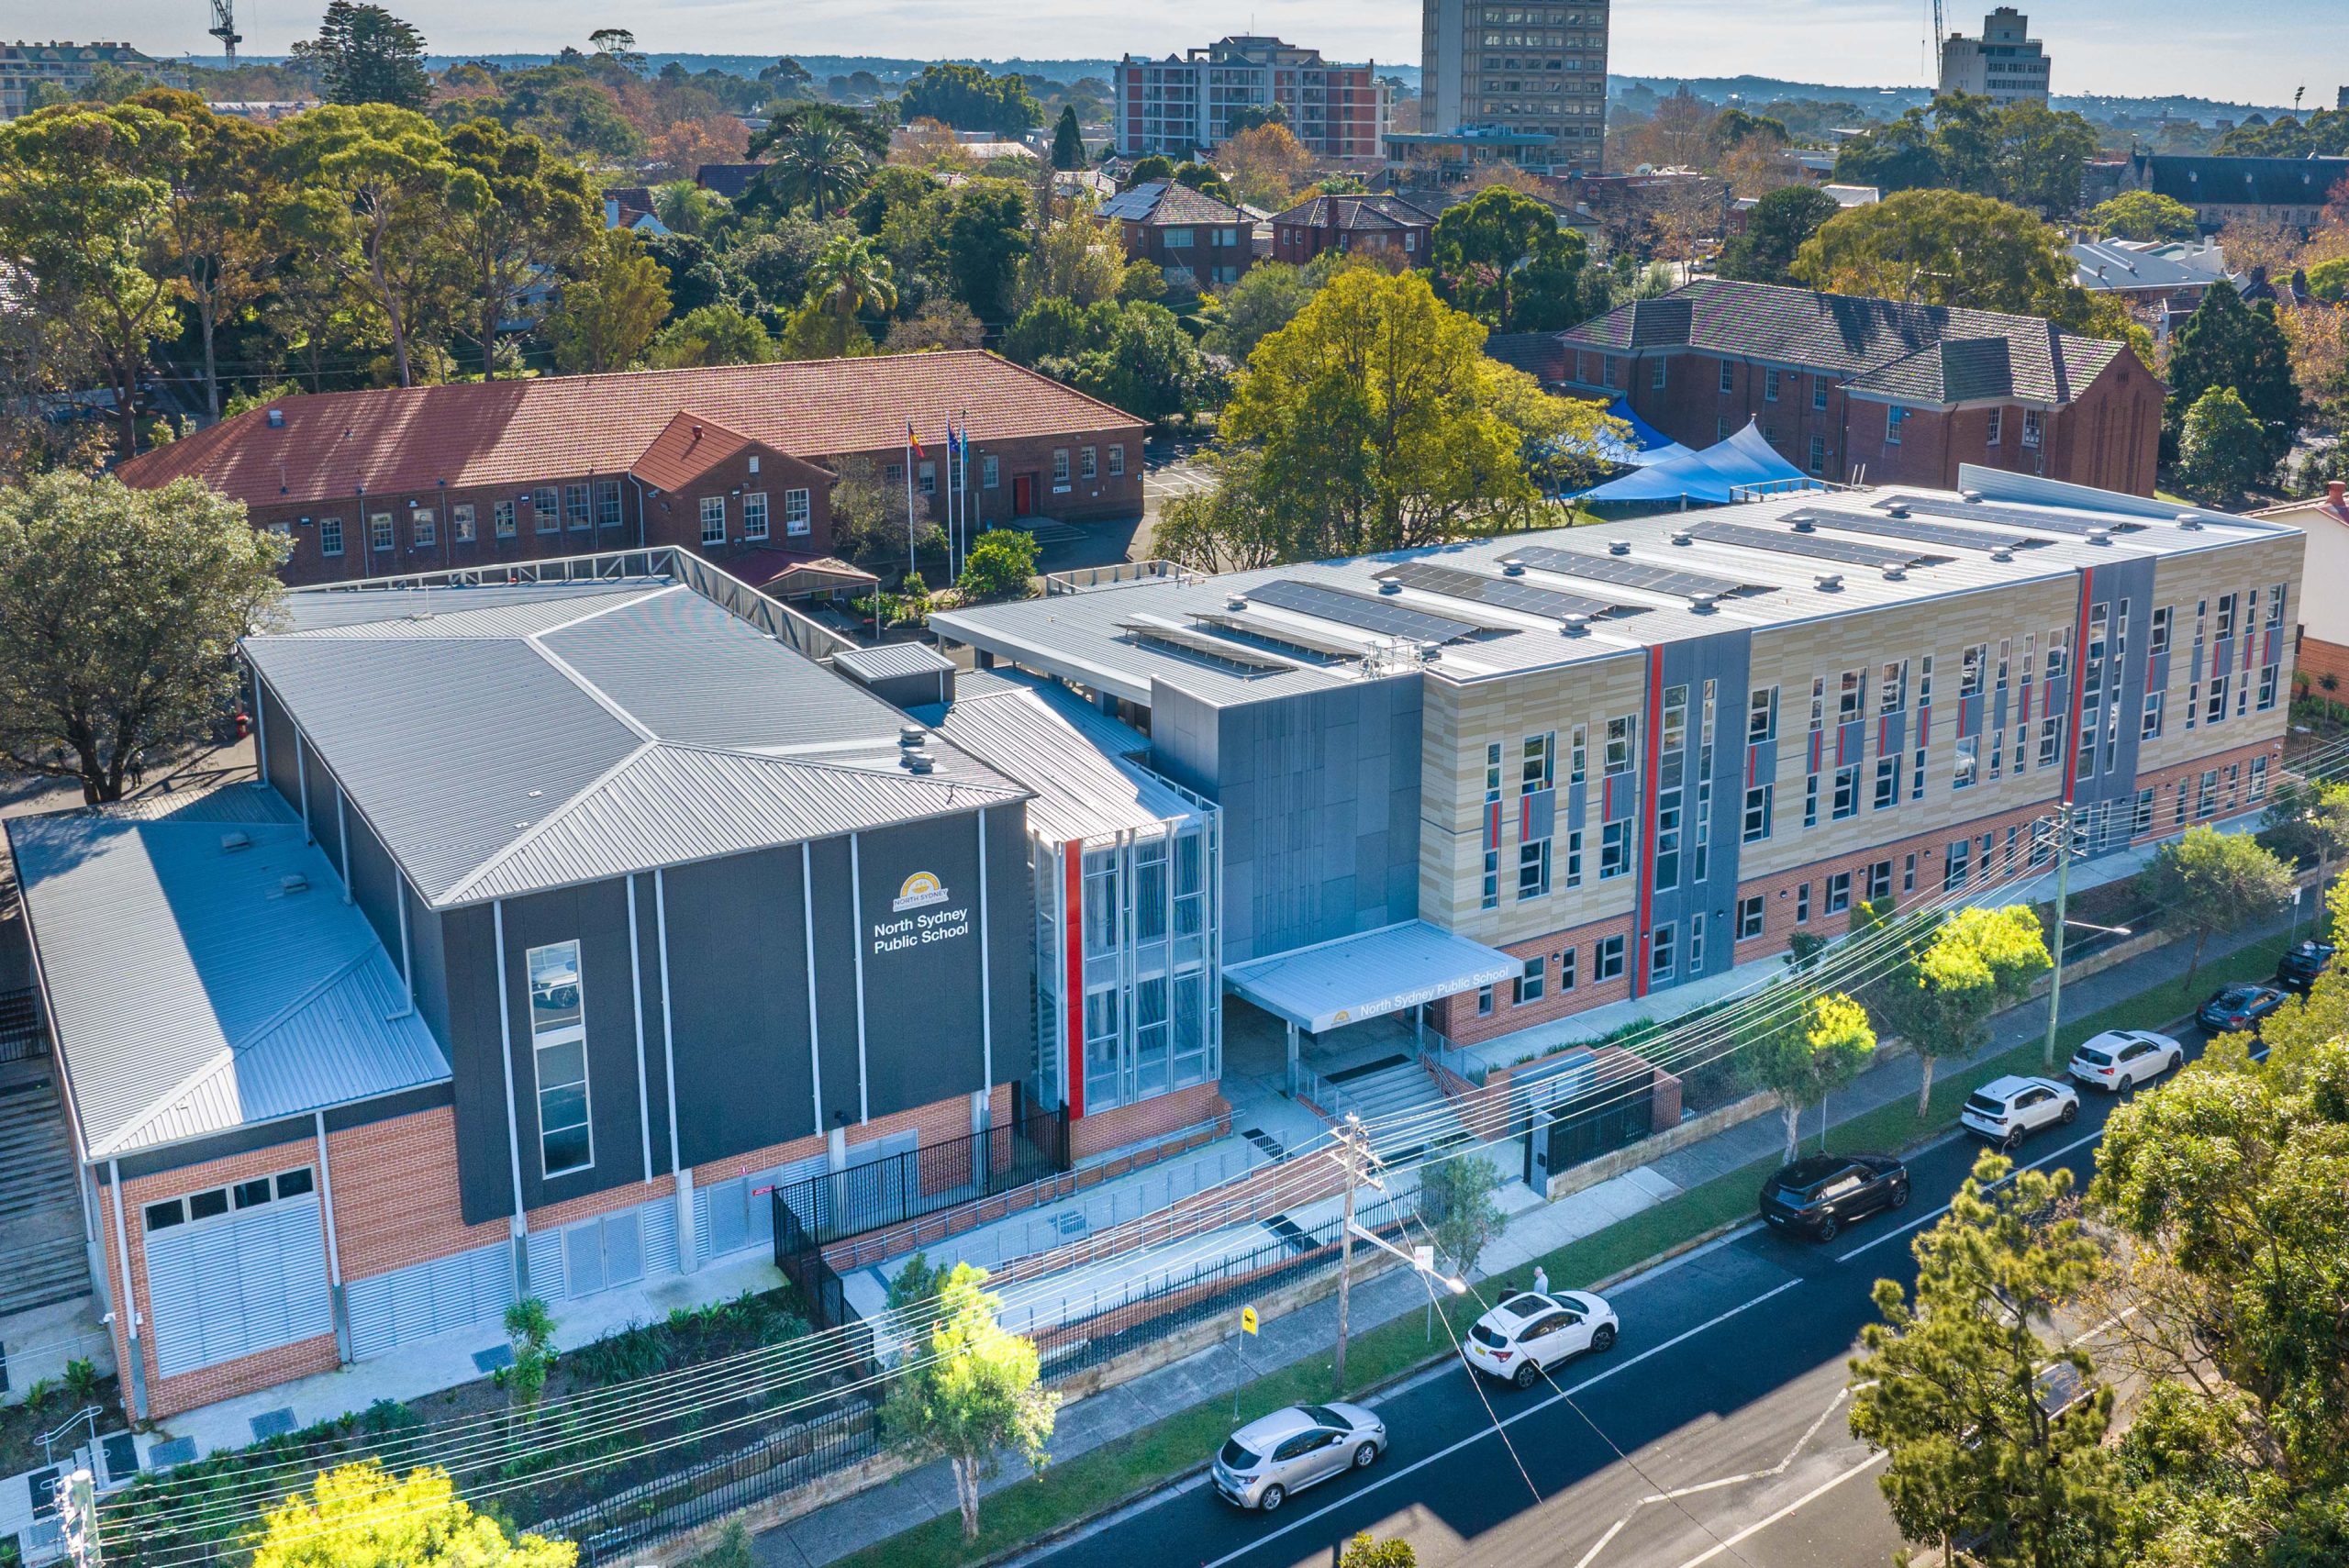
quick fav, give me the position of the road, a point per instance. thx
(1713, 1433)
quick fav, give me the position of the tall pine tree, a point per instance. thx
(2229, 343)
(1068, 141)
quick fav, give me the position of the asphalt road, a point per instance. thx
(1714, 1431)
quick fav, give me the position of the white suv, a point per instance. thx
(1528, 1334)
(2122, 1059)
(2008, 1110)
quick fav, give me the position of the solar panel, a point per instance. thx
(1281, 632)
(1189, 640)
(1944, 534)
(1368, 612)
(2020, 517)
(1627, 574)
(1848, 551)
(1502, 593)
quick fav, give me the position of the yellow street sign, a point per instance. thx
(1247, 1319)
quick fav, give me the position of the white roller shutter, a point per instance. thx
(432, 1297)
(245, 1282)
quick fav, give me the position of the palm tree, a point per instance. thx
(819, 168)
(851, 278)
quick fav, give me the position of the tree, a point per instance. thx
(1068, 141)
(1365, 1551)
(1776, 229)
(817, 170)
(983, 238)
(2227, 343)
(2210, 882)
(713, 335)
(519, 216)
(529, 1330)
(975, 1394)
(2306, 822)
(850, 278)
(1900, 156)
(999, 565)
(869, 517)
(2142, 215)
(1136, 356)
(1952, 976)
(868, 130)
(119, 613)
(940, 324)
(85, 204)
(1157, 166)
(218, 252)
(1264, 165)
(1075, 259)
(1949, 1384)
(607, 314)
(2038, 156)
(2219, 450)
(1504, 258)
(1814, 1050)
(366, 55)
(970, 98)
(1457, 1207)
(361, 1516)
(1940, 248)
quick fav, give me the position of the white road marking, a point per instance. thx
(1590, 1556)
(1483, 1432)
(1898, 1232)
(1794, 1507)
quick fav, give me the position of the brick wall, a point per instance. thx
(2316, 659)
(1457, 1018)
(2234, 795)
(396, 1195)
(1153, 1117)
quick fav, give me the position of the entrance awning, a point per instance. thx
(1379, 971)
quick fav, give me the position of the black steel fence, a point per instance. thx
(894, 1188)
(21, 1037)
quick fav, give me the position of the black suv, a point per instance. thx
(1820, 1195)
(2298, 969)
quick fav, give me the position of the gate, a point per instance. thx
(1613, 1112)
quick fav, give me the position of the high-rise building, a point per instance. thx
(64, 68)
(2004, 64)
(1184, 103)
(1518, 71)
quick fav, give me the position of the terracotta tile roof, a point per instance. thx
(1356, 213)
(517, 433)
(687, 447)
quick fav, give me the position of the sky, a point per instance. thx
(2255, 53)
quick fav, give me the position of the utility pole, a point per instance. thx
(77, 1519)
(1354, 1155)
(2063, 889)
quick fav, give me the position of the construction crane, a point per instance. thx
(224, 27)
(1932, 45)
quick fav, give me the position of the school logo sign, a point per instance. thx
(920, 889)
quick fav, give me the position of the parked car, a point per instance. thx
(2239, 1007)
(1527, 1334)
(2122, 1059)
(1820, 1195)
(2008, 1110)
(2299, 966)
(1263, 1463)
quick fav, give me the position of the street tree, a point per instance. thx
(607, 314)
(1949, 1384)
(217, 247)
(1458, 1206)
(2221, 452)
(120, 614)
(2143, 216)
(1503, 257)
(1952, 976)
(1816, 1049)
(517, 216)
(1776, 229)
(2227, 343)
(1941, 246)
(2308, 821)
(363, 54)
(2208, 882)
(362, 1515)
(86, 201)
(975, 1396)
(1068, 141)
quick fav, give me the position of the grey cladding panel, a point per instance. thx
(738, 963)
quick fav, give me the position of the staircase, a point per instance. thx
(42, 1257)
(1404, 1093)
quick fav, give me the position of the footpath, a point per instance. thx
(1609, 1230)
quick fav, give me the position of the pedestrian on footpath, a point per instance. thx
(1541, 1280)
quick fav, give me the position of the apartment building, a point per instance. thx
(1187, 102)
(1532, 72)
(2006, 64)
(1605, 761)
(735, 463)
(59, 72)
(1847, 388)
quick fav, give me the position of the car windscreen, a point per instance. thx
(1237, 1455)
(1325, 1417)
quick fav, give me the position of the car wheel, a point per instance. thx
(1603, 1338)
(1366, 1456)
(2070, 1111)
(1527, 1372)
(1900, 1196)
(2176, 1061)
(2013, 1141)
(1828, 1229)
(1274, 1495)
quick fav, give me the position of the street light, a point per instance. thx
(2065, 850)
(1424, 1267)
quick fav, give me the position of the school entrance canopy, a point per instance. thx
(1745, 461)
(1386, 971)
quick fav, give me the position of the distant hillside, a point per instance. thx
(1892, 101)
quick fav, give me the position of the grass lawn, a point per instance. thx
(1093, 1481)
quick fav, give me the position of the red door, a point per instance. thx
(1023, 495)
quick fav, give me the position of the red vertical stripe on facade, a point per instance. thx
(1073, 991)
(1655, 726)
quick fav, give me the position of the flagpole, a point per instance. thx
(910, 567)
(952, 572)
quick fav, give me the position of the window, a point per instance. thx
(1969, 748)
(1990, 427)
(755, 514)
(1851, 695)
(607, 501)
(1567, 970)
(713, 519)
(2033, 420)
(1574, 858)
(1749, 917)
(1484, 1001)
(1060, 465)
(1888, 782)
(1802, 904)
(1819, 454)
(1660, 950)
(926, 477)
(330, 536)
(1847, 791)
(559, 1050)
(1528, 985)
(1657, 378)
(2050, 740)
(1758, 814)
(460, 516)
(991, 470)
(543, 515)
(1537, 761)
(2266, 686)
(2206, 799)
(424, 528)
(1839, 893)
(379, 531)
(1578, 755)
(1879, 881)
(2150, 728)
(796, 512)
(1533, 869)
(1177, 240)
(575, 505)
(2217, 709)
(1761, 714)
(2226, 618)
(1729, 376)
(1770, 384)
(2276, 608)
(2160, 640)
(1818, 393)
(1620, 733)
(1953, 871)
(216, 1201)
(2258, 780)
(1667, 841)
(1607, 959)
(1117, 461)
(2143, 821)
(501, 518)
(1893, 419)
(1972, 663)
(1614, 849)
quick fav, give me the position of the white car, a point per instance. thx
(2008, 1110)
(2121, 1059)
(1528, 1334)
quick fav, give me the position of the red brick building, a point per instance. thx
(1849, 388)
(1384, 227)
(736, 463)
(1196, 240)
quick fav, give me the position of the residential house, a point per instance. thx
(1388, 228)
(1197, 241)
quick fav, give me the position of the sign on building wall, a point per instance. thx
(919, 908)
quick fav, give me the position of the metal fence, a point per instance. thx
(22, 1038)
(898, 1187)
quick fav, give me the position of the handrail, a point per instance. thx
(88, 1413)
(1461, 1064)
(1334, 1102)
(1078, 578)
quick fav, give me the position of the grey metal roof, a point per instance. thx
(893, 658)
(1369, 974)
(465, 739)
(1082, 791)
(193, 993)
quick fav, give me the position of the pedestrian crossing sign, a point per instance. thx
(1247, 1319)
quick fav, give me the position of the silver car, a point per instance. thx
(1290, 1450)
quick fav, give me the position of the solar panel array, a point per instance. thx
(1368, 612)
(1501, 593)
(1271, 630)
(1946, 534)
(1850, 552)
(2023, 517)
(1189, 640)
(1627, 574)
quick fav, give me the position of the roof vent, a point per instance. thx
(1896, 572)
(1830, 582)
(2190, 520)
(911, 735)
(916, 761)
(1512, 567)
(1388, 586)
(1574, 626)
(1702, 603)
(1895, 510)
(1805, 525)
(293, 882)
(234, 838)
(2099, 536)
(1237, 602)
(1619, 547)
(1684, 537)
(2002, 553)
(277, 418)
(1969, 495)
